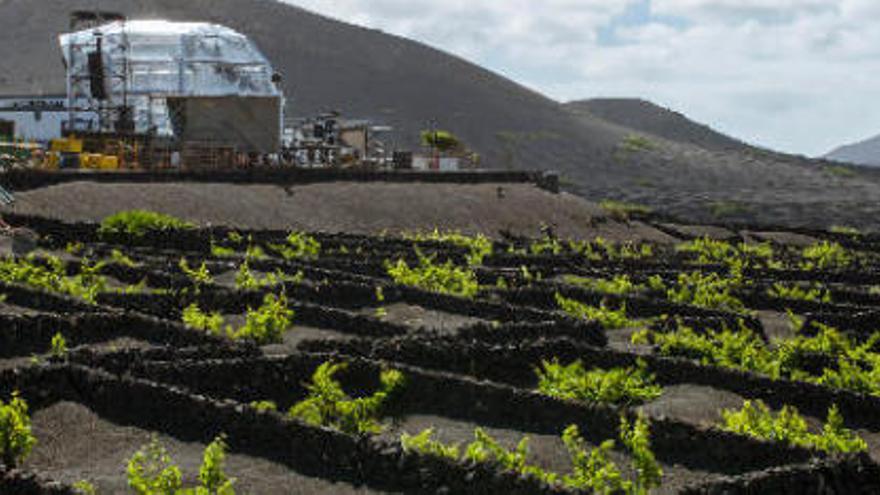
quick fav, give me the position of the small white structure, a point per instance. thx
(192, 81)
(442, 164)
(38, 118)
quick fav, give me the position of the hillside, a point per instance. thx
(328, 64)
(362, 208)
(647, 117)
(863, 153)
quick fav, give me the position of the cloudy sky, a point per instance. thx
(801, 76)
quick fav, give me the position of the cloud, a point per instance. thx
(794, 75)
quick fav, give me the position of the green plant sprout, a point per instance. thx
(328, 405)
(857, 366)
(266, 324)
(195, 318)
(220, 251)
(58, 346)
(592, 469)
(137, 223)
(199, 277)
(16, 438)
(446, 278)
(151, 471)
(298, 245)
(707, 291)
(618, 285)
(623, 386)
(755, 419)
(826, 256)
(622, 211)
(813, 293)
(610, 319)
(50, 275)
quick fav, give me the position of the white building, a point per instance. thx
(37, 118)
(193, 81)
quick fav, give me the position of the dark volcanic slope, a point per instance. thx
(864, 153)
(644, 116)
(326, 65)
(362, 72)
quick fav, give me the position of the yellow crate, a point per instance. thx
(52, 161)
(67, 145)
(89, 160)
(109, 162)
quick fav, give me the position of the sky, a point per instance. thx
(799, 76)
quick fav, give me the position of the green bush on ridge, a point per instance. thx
(137, 223)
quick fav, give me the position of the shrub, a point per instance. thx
(198, 276)
(610, 319)
(245, 279)
(825, 256)
(706, 291)
(547, 245)
(636, 437)
(485, 448)
(219, 251)
(446, 278)
(788, 426)
(117, 256)
(139, 222)
(635, 142)
(212, 475)
(51, 276)
(595, 471)
(814, 293)
(151, 471)
(857, 365)
(841, 171)
(442, 140)
(266, 324)
(622, 211)
(328, 405)
(298, 246)
(478, 246)
(592, 469)
(741, 349)
(264, 405)
(16, 438)
(623, 386)
(602, 250)
(845, 230)
(423, 443)
(195, 318)
(58, 346)
(619, 285)
(83, 487)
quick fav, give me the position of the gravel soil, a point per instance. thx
(74, 443)
(418, 317)
(342, 207)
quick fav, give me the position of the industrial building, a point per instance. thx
(38, 118)
(190, 82)
(151, 94)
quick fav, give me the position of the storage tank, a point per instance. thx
(188, 81)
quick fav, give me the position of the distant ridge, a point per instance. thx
(644, 116)
(865, 152)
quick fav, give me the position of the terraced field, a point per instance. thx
(364, 364)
